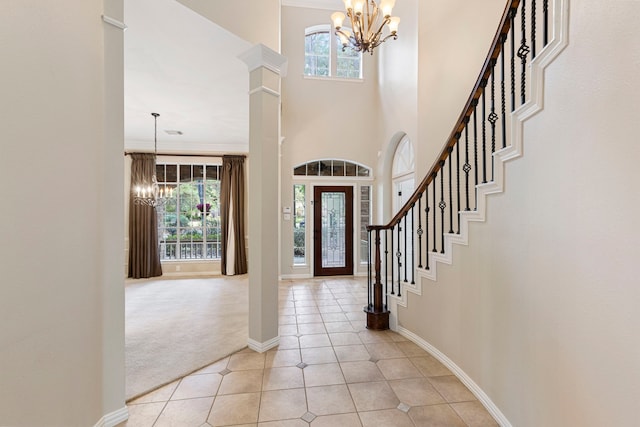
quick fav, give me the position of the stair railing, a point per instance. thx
(465, 162)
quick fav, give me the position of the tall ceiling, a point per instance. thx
(186, 68)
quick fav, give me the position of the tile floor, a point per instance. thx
(328, 370)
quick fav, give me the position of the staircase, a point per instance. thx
(470, 167)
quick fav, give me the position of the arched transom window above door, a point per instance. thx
(403, 160)
(335, 168)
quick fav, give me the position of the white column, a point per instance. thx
(266, 67)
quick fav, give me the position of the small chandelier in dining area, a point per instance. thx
(368, 21)
(152, 194)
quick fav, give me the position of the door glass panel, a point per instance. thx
(333, 229)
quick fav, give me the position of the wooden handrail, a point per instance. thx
(481, 82)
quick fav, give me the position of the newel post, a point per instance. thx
(377, 313)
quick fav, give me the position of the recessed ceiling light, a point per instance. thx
(173, 132)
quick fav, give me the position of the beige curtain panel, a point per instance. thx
(144, 258)
(234, 254)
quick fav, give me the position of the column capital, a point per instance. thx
(261, 56)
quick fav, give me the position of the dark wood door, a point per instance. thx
(333, 231)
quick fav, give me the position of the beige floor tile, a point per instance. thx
(311, 328)
(288, 343)
(325, 374)
(246, 361)
(282, 405)
(185, 413)
(315, 340)
(386, 417)
(352, 353)
(357, 316)
(334, 317)
(373, 396)
(344, 338)
(204, 385)
(330, 400)
(282, 378)
(307, 310)
(161, 394)
(143, 415)
(287, 311)
(342, 420)
(452, 389)
(416, 392)
(236, 382)
(474, 414)
(283, 423)
(214, 368)
(361, 371)
(287, 330)
(396, 337)
(287, 320)
(339, 327)
(308, 318)
(323, 309)
(278, 358)
(410, 349)
(369, 337)
(429, 366)
(317, 355)
(384, 350)
(305, 303)
(435, 416)
(328, 303)
(396, 369)
(235, 409)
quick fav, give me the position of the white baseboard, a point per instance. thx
(261, 347)
(462, 376)
(296, 276)
(114, 418)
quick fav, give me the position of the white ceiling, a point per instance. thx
(185, 68)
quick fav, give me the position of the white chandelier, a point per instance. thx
(367, 22)
(152, 194)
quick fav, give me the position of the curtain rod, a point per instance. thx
(127, 153)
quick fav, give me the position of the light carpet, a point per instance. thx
(176, 326)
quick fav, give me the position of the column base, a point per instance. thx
(377, 321)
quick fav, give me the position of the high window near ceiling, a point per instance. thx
(189, 223)
(324, 56)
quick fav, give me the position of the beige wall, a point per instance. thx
(454, 39)
(541, 309)
(257, 21)
(62, 340)
(321, 118)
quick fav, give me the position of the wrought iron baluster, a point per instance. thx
(392, 262)
(545, 11)
(426, 226)
(386, 263)
(484, 133)
(512, 31)
(413, 245)
(467, 167)
(405, 248)
(533, 29)
(504, 115)
(450, 193)
(435, 220)
(493, 117)
(399, 255)
(475, 151)
(442, 205)
(420, 231)
(369, 271)
(458, 178)
(523, 51)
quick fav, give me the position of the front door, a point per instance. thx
(333, 231)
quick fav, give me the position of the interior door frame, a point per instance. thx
(348, 269)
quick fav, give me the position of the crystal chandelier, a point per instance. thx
(152, 195)
(367, 23)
